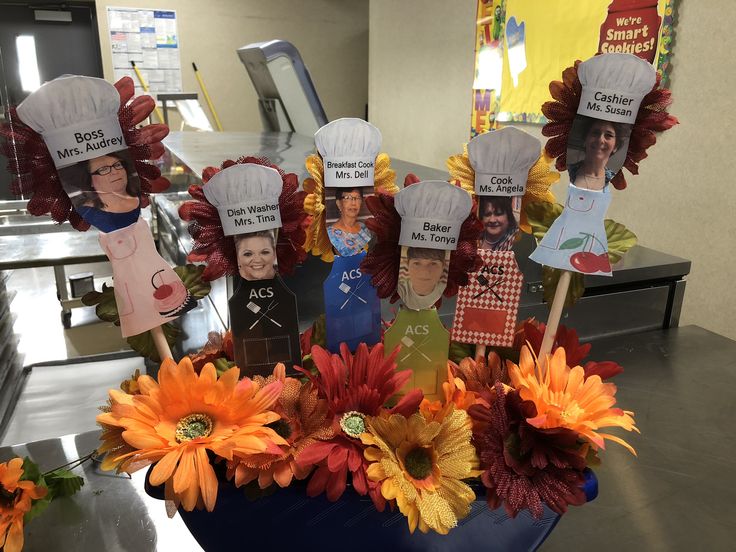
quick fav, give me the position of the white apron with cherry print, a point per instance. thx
(577, 241)
(148, 292)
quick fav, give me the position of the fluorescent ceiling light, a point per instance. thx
(27, 63)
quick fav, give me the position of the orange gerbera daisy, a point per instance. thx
(176, 421)
(564, 397)
(16, 498)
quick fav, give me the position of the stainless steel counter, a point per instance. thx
(678, 495)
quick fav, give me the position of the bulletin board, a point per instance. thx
(148, 37)
(521, 47)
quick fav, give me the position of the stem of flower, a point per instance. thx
(73, 464)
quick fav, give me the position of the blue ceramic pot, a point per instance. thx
(288, 520)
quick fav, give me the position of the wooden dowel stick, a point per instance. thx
(162, 346)
(555, 312)
(480, 353)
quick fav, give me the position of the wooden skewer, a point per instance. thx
(480, 352)
(162, 346)
(553, 321)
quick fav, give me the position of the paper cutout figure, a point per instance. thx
(352, 307)
(422, 276)
(345, 227)
(487, 307)
(425, 343)
(256, 253)
(265, 326)
(613, 86)
(148, 292)
(77, 118)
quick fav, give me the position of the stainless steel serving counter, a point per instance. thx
(678, 495)
(645, 292)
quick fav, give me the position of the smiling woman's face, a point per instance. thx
(600, 142)
(256, 258)
(108, 175)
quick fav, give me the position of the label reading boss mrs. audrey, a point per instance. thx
(84, 141)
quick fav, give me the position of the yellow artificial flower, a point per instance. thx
(541, 177)
(176, 421)
(421, 464)
(564, 397)
(317, 241)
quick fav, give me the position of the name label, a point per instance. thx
(499, 184)
(609, 105)
(252, 216)
(87, 140)
(428, 233)
(349, 172)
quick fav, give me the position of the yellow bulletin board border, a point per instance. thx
(490, 44)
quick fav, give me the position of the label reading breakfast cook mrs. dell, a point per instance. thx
(349, 173)
(84, 141)
(429, 234)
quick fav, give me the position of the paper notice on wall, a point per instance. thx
(150, 39)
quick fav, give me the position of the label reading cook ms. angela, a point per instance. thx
(499, 185)
(85, 141)
(349, 173)
(429, 234)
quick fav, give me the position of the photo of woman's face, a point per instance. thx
(424, 274)
(350, 204)
(108, 175)
(600, 142)
(495, 222)
(256, 257)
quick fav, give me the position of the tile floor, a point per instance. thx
(61, 398)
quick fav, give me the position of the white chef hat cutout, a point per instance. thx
(432, 213)
(77, 117)
(246, 197)
(614, 86)
(501, 160)
(348, 148)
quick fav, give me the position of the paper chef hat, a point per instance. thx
(614, 86)
(349, 148)
(432, 213)
(77, 117)
(247, 198)
(501, 160)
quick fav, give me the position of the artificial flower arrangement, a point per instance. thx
(525, 428)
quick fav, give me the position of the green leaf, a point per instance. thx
(620, 240)
(550, 278)
(572, 243)
(319, 331)
(63, 482)
(541, 215)
(107, 309)
(222, 365)
(144, 345)
(191, 277)
(38, 507)
(30, 471)
(459, 351)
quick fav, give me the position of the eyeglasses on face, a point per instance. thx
(105, 169)
(351, 198)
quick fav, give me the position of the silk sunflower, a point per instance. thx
(565, 398)
(540, 178)
(317, 241)
(421, 464)
(175, 422)
(16, 499)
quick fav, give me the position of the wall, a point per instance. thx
(683, 200)
(331, 35)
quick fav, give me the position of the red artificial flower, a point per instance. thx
(523, 467)
(561, 112)
(355, 386)
(382, 261)
(575, 352)
(34, 172)
(216, 249)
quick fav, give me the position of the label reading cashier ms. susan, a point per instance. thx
(348, 173)
(428, 233)
(84, 141)
(499, 184)
(609, 105)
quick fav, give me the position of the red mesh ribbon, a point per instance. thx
(382, 262)
(34, 174)
(218, 251)
(561, 112)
